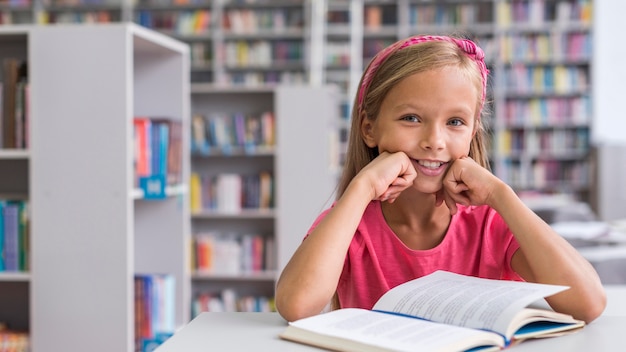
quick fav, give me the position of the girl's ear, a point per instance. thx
(367, 130)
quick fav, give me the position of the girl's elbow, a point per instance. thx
(595, 308)
(290, 307)
(293, 304)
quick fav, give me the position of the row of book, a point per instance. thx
(158, 148)
(552, 143)
(80, 2)
(188, 22)
(273, 77)
(546, 47)
(230, 192)
(232, 253)
(262, 53)
(14, 236)
(228, 300)
(224, 132)
(375, 16)
(201, 54)
(560, 79)
(154, 300)
(561, 111)
(13, 341)
(450, 13)
(337, 53)
(69, 16)
(15, 15)
(14, 97)
(206, 3)
(16, 3)
(253, 20)
(542, 11)
(546, 175)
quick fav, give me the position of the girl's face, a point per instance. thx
(430, 116)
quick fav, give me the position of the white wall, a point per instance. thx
(609, 72)
(608, 131)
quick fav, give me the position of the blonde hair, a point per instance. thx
(398, 65)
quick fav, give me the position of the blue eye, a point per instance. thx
(456, 122)
(411, 118)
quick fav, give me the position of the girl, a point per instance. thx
(416, 195)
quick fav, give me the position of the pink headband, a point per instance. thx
(468, 46)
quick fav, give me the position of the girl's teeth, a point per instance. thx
(430, 164)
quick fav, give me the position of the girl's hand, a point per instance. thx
(388, 175)
(468, 183)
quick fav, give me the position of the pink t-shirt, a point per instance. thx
(478, 243)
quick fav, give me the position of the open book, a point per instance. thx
(442, 311)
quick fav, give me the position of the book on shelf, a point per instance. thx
(158, 148)
(154, 308)
(13, 236)
(225, 132)
(14, 94)
(442, 311)
(231, 193)
(13, 340)
(229, 300)
(232, 253)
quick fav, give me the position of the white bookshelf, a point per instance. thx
(92, 232)
(300, 163)
(15, 286)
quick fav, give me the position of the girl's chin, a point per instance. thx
(427, 187)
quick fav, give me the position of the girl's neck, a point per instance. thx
(417, 221)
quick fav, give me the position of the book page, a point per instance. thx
(387, 331)
(463, 300)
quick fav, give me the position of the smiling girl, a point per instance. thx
(416, 195)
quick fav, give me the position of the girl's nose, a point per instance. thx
(432, 138)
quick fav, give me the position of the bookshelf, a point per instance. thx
(235, 42)
(539, 55)
(253, 42)
(302, 179)
(15, 285)
(92, 231)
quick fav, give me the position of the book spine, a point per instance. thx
(11, 236)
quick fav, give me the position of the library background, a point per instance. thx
(153, 152)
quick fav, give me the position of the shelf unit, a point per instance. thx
(240, 43)
(299, 162)
(15, 286)
(91, 233)
(232, 42)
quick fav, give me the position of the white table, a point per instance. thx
(259, 332)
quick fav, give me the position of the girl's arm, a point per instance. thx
(310, 278)
(544, 256)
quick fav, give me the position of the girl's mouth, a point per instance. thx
(430, 164)
(430, 167)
